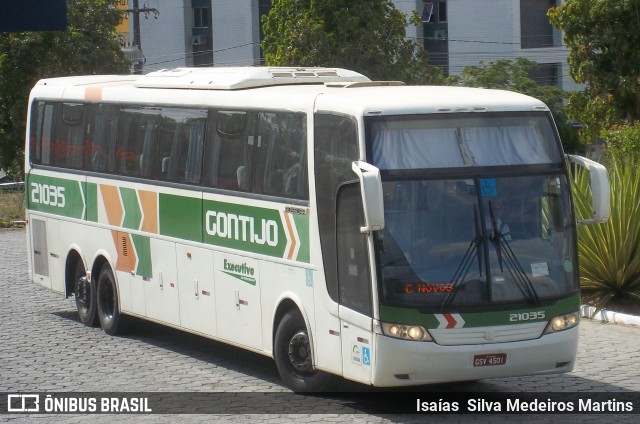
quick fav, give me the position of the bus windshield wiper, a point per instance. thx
(474, 251)
(514, 267)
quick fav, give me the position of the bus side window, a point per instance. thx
(41, 135)
(168, 148)
(336, 146)
(230, 156)
(100, 150)
(68, 135)
(354, 280)
(180, 145)
(135, 148)
(195, 137)
(281, 162)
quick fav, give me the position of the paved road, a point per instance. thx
(44, 347)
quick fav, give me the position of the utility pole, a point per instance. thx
(137, 57)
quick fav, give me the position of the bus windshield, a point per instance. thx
(471, 237)
(437, 141)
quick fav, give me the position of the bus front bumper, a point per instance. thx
(407, 363)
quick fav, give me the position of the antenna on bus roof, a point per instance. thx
(234, 78)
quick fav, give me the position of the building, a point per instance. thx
(461, 33)
(456, 33)
(176, 33)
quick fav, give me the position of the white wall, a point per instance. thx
(164, 40)
(407, 7)
(235, 33)
(482, 33)
(486, 31)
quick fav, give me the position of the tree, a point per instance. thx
(516, 76)
(88, 46)
(367, 36)
(603, 38)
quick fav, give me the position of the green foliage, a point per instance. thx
(623, 139)
(367, 36)
(595, 114)
(610, 252)
(88, 46)
(603, 38)
(516, 76)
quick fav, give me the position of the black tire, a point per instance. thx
(293, 355)
(85, 296)
(108, 304)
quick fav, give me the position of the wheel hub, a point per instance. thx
(300, 352)
(83, 292)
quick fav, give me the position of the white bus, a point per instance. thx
(391, 235)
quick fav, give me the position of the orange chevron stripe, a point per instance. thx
(127, 257)
(292, 249)
(112, 205)
(149, 204)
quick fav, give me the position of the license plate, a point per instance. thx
(490, 359)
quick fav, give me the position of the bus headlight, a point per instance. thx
(562, 322)
(406, 332)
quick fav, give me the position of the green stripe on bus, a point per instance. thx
(55, 195)
(91, 193)
(393, 314)
(142, 245)
(180, 217)
(247, 228)
(132, 212)
(302, 225)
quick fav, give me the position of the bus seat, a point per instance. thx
(243, 177)
(291, 180)
(166, 161)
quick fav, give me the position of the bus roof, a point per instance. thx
(386, 100)
(290, 88)
(233, 78)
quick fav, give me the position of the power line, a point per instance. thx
(137, 42)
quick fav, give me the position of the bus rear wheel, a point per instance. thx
(85, 296)
(293, 356)
(108, 304)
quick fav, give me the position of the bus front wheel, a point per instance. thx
(293, 355)
(108, 305)
(85, 296)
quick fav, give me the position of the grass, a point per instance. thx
(11, 208)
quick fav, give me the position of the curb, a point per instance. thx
(608, 317)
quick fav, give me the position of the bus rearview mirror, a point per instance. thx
(372, 197)
(600, 190)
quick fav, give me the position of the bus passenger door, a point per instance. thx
(354, 282)
(237, 299)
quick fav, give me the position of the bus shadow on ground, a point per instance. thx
(194, 346)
